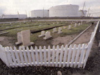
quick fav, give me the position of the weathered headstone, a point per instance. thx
(42, 34)
(59, 73)
(75, 25)
(19, 38)
(26, 38)
(59, 30)
(79, 24)
(54, 30)
(69, 27)
(47, 35)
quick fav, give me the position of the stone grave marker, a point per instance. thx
(25, 34)
(54, 30)
(42, 34)
(75, 25)
(19, 38)
(69, 27)
(59, 30)
(59, 73)
(47, 35)
(79, 24)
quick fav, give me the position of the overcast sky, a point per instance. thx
(25, 6)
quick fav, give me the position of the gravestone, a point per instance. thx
(54, 30)
(42, 34)
(79, 24)
(59, 73)
(75, 25)
(59, 30)
(47, 35)
(25, 34)
(69, 27)
(19, 38)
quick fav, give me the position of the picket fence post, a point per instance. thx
(3, 55)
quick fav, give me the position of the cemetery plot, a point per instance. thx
(84, 38)
(70, 29)
(91, 67)
(34, 26)
(65, 37)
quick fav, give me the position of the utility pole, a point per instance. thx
(83, 9)
(43, 12)
(88, 12)
(18, 15)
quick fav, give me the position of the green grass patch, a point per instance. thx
(74, 30)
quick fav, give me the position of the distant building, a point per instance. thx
(67, 10)
(20, 16)
(64, 11)
(40, 13)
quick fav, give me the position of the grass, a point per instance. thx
(36, 26)
(74, 30)
(31, 26)
(34, 37)
(65, 32)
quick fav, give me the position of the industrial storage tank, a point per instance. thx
(40, 13)
(64, 11)
(19, 16)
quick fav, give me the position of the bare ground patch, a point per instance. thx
(84, 38)
(6, 41)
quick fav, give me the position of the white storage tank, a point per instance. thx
(64, 11)
(40, 13)
(19, 16)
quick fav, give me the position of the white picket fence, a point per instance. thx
(73, 56)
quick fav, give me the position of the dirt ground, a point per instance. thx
(6, 41)
(84, 38)
(63, 40)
